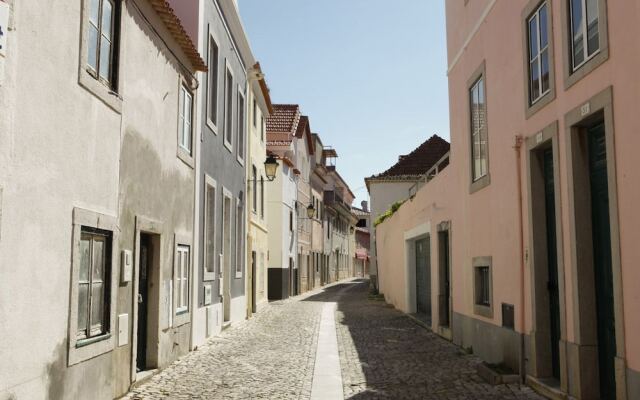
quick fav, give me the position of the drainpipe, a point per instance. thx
(517, 147)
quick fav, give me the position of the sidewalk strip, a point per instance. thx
(327, 376)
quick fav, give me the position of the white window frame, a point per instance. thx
(213, 123)
(209, 183)
(239, 239)
(538, 55)
(584, 29)
(183, 121)
(225, 253)
(228, 121)
(181, 312)
(478, 175)
(78, 349)
(240, 147)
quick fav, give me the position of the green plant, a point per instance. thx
(392, 210)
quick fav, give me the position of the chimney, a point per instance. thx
(365, 206)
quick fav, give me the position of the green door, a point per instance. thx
(552, 262)
(602, 261)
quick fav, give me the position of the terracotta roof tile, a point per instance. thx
(285, 118)
(419, 161)
(174, 26)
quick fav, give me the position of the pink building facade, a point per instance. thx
(528, 236)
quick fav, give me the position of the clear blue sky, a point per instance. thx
(370, 74)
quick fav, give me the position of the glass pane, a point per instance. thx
(92, 57)
(105, 59)
(187, 106)
(97, 306)
(94, 11)
(544, 37)
(85, 258)
(98, 259)
(533, 37)
(107, 18)
(83, 306)
(229, 108)
(592, 27)
(213, 81)
(576, 29)
(179, 278)
(535, 80)
(544, 67)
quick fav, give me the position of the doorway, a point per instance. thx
(444, 277)
(603, 274)
(226, 259)
(423, 279)
(147, 302)
(254, 285)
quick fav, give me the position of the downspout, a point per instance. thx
(517, 147)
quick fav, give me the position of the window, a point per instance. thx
(482, 280)
(210, 230)
(585, 35)
(479, 144)
(254, 178)
(226, 234)
(539, 73)
(262, 197)
(255, 113)
(290, 221)
(182, 278)
(212, 97)
(239, 237)
(228, 119)
(482, 294)
(92, 309)
(262, 128)
(241, 123)
(185, 119)
(94, 283)
(101, 34)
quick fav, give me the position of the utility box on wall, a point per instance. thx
(126, 266)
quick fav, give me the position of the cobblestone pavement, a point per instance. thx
(383, 355)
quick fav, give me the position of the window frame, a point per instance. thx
(209, 183)
(482, 309)
(241, 128)
(533, 7)
(225, 252)
(573, 75)
(183, 153)
(484, 180)
(254, 187)
(181, 315)
(89, 78)
(83, 349)
(212, 120)
(239, 239)
(228, 118)
(262, 197)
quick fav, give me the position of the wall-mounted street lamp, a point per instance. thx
(352, 229)
(311, 211)
(271, 167)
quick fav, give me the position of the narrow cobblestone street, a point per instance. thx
(383, 354)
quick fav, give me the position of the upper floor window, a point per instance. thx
(212, 98)
(255, 113)
(228, 117)
(254, 178)
(262, 128)
(585, 35)
(185, 120)
(479, 140)
(100, 40)
(539, 82)
(241, 125)
(261, 196)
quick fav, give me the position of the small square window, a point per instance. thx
(483, 286)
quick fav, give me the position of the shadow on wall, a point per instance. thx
(384, 354)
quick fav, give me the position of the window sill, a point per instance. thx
(238, 275)
(571, 78)
(240, 161)
(212, 126)
(228, 145)
(185, 157)
(86, 342)
(483, 311)
(102, 92)
(539, 104)
(208, 276)
(480, 184)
